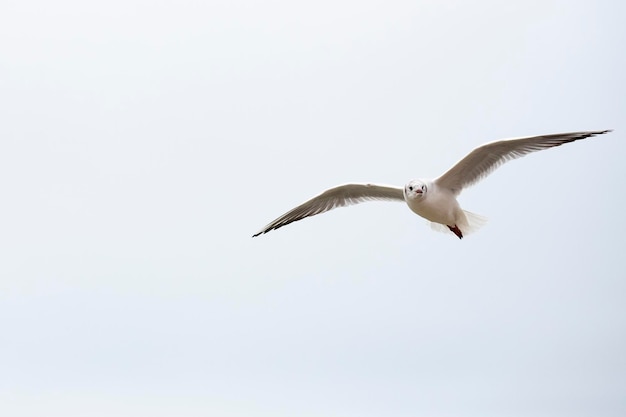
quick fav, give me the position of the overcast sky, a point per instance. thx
(142, 144)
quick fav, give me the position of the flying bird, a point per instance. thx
(434, 199)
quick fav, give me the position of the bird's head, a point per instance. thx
(415, 189)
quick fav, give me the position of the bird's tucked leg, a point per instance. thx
(456, 231)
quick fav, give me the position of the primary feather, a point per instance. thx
(340, 196)
(483, 160)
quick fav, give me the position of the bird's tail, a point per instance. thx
(469, 224)
(473, 222)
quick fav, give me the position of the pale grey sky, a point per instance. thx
(142, 143)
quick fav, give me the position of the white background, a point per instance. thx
(142, 144)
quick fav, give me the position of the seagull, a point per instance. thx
(434, 199)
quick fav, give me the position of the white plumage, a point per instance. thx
(435, 200)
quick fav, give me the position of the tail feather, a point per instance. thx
(469, 224)
(473, 222)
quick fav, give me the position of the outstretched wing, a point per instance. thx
(483, 160)
(340, 196)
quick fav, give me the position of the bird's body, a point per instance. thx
(437, 204)
(434, 200)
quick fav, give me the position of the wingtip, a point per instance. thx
(260, 233)
(593, 133)
(601, 132)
